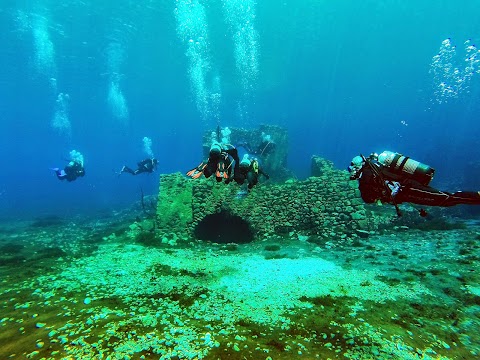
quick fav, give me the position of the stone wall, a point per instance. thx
(174, 206)
(326, 205)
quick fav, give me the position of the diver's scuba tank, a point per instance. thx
(245, 164)
(404, 166)
(245, 161)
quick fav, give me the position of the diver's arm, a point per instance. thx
(246, 146)
(233, 152)
(260, 171)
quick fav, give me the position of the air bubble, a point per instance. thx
(450, 77)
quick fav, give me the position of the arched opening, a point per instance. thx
(223, 228)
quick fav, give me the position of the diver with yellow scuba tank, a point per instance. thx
(393, 178)
(249, 171)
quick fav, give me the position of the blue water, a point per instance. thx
(344, 77)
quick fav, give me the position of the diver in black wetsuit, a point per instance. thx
(249, 171)
(144, 166)
(394, 179)
(71, 171)
(74, 168)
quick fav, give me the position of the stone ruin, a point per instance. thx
(326, 205)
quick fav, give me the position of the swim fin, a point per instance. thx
(221, 171)
(197, 172)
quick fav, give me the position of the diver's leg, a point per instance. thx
(252, 179)
(209, 169)
(463, 198)
(422, 196)
(128, 170)
(432, 197)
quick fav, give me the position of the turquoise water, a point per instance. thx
(344, 78)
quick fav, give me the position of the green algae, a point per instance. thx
(276, 256)
(11, 248)
(324, 326)
(272, 247)
(167, 270)
(48, 221)
(148, 238)
(174, 207)
(230, 247)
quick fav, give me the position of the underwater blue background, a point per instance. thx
(344, 77)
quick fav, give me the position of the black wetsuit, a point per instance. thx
(144, 166)
(250, 175)
(71, 172)
(373, 186)
(221, 165)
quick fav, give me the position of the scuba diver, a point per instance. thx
(249, 171)
(220, 160)
(71, 172)
(73, 169)
(394, 179)
(144, 166)
(265, 147)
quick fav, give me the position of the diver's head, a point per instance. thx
(215, 150)
(154, 161)
(356, 164)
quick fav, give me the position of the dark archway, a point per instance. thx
(223, 228)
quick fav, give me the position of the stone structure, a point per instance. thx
(326, 205)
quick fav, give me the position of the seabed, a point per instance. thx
(92, 289)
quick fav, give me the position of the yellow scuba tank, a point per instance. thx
(255, 166)
(405, 167)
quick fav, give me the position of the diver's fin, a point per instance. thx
(221, 172)
(191, 172)
(195, 173)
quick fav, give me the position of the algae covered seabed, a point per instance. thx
(97, 289)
